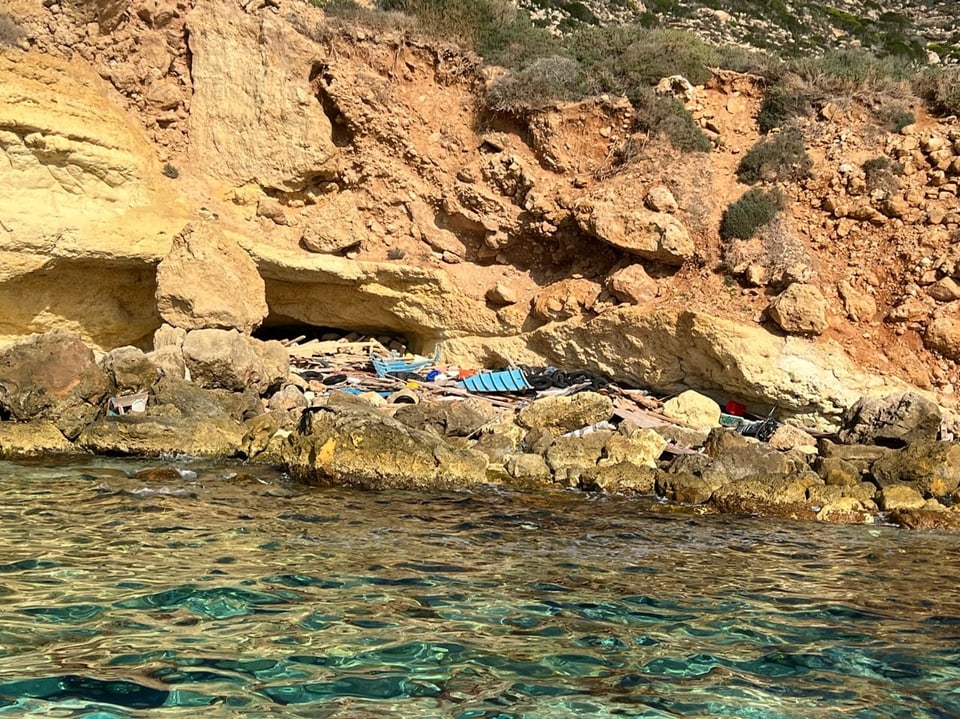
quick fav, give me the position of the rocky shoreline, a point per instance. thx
(220, 393)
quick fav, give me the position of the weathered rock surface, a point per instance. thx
(782, 496)
(632, 284)
(899, 496)
(333, 226)
(130, 370)
(673, 351)
(356, 448)
(447, 419)
(565, 414)
(226, 359)
(641, 448)
(932, 467)
(207, 281)
(32, 439)
(693, 408)
(893, 420)
(652, 235)
(622, 476)
(252, 94)
(943, 332)
(51, 376)
(152, 436)
(687, 488)
(800, 309)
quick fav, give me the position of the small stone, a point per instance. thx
(660, 199)
(501, 294)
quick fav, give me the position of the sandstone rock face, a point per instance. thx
(641, 448)
(565, 414)
(943, 332)
(254, 117)
(153, 436)
(932, 467)
(623, 222)
(130, 370)
(177, 398)
(800, 309)
(787, 437)
(32, 439)
(226, 359)
(623, 477)
(893, 420)
(50, 376)
(632, 284)
(77, 231)
(673, 351)
(363, 449)
(334, 225)
(207, 281)
(447, 419)
(900, 496)
(693, 408)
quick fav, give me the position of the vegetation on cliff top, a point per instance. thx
(581, 57)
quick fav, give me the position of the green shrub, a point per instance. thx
(881, 173)
(744, 217)
(668, 117)
(544, 81)
(776, 159)
(899, 118)
(496, 29)
(780, 106)
(170, 171)
(854, 72)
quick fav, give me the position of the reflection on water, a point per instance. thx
(232, 593)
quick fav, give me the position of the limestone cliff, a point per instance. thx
(354, 168)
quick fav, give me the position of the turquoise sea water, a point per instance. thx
(231, 592)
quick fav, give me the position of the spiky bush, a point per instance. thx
(540, 83)
(778, 158)
(881, 173)
(667, 117)
(753, 210)
(781, 105)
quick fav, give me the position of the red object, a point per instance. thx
(734, 408)
(464, 373)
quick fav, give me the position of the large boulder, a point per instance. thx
(686, 488)
(893, 420)
(177, 398)
(625, 223)
(570, 456)
(52, 376)
(152, 436)
(207, 280)
(800, 309)
(560, 415)
(693, 408)
(226, 359)
(932, 467)
(32, 439)
(351, 446)
(130, 369)
(943, 331)
(632, 284)
(447, 419)
(624, 477)
(334, 226)
(641, 448)
(736, 458)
